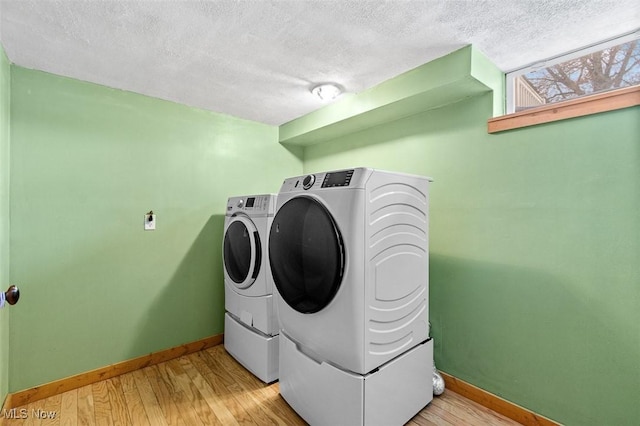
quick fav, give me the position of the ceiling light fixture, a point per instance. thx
(326, 91)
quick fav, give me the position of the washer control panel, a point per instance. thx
(251, 204)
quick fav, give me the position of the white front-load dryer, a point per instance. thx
(251, 326)
(349, 256)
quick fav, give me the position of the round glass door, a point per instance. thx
(306, 254)
(242, 252)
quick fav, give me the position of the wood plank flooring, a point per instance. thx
(205, 388)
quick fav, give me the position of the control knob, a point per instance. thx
(308, 181)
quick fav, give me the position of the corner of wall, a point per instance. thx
(485, 71)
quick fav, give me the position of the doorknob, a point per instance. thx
(11, 296)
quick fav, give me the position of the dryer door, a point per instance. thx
(306, 253)
(242, 252)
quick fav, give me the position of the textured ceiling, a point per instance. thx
(257, 59)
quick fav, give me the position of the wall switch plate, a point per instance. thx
(149, 222)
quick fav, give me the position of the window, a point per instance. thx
(600, 68)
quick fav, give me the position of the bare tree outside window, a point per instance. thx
(607, 69)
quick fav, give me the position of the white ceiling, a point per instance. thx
(257, 59)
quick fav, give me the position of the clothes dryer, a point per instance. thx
(251, 327)
(349, 256)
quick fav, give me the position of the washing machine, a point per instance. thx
(349, 256)
(251, 326)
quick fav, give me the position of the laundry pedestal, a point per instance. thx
(256, 351)
(323, 394)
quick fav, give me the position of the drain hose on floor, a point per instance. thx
(438, 381)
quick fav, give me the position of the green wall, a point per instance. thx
(87, 163)
(5, 86)
(535, 241)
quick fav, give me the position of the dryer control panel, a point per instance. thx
(355, 178)
(333, 179)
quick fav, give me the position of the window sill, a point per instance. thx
(609, 101)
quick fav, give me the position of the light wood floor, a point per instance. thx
(206, 388)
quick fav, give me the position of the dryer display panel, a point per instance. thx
(337, 179)
(306, 254)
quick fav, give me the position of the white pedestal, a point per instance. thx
(256, 351)
(323, 394)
